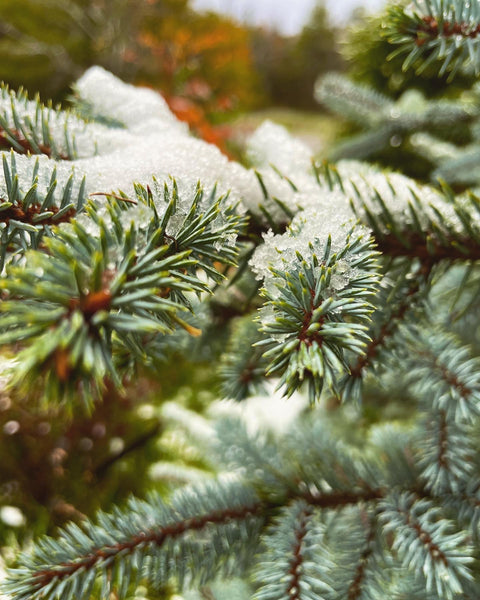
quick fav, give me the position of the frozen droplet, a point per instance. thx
(338, 282)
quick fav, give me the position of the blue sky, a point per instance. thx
(286, 15)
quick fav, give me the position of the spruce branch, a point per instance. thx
(129, 280)
(203, 532)
(467, 506)
(424, 538)
(358, 560)
(460, 167)
(385, 124)
(314, 314)
(443, 373)
(293, 515)
(30, 127)
(400, 296)
(332, 477)
(428, 235)
(367, 554)
(272, 212)
(438, 32)
(446, 454)
(148, 540)
(357, 103)
(90, 291)
(406, 219)
(444, 378)
(35, 200)
(293, 564)
(242, 368)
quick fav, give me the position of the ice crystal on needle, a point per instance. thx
(327, 216)
(366, 185)
(39, 170)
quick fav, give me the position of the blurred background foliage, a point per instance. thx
(59, 467)
(206, 65)
(289, 66)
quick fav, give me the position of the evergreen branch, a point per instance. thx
(357, 558)
(331, 478)
(386, 124)
(452, 374)
(207, 226)
(409, 220)
(242, 369)
(401, 288)
(11, 139)
(30, 127)
(445, 454)
(297, 564)
(126, 283)
(290, 567)
(273, 213)
(444, 378)
(357, 586)
(315, 312)
(155, 541)
(460, 167)
(215, 528)
(437, 32)
(436, 239)
(441, 153)
(466, 505)
(357, 103)
(30, 208)
(429, 249)
(90, 292)
(425, 539)
(150, 539)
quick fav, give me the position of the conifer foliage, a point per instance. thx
(117, 241)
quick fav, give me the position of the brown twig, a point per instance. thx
(416, 247)
(115, 196)
(355, 589)
(19, 213)
(293, 591)
(434, 29)
(156, 536)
